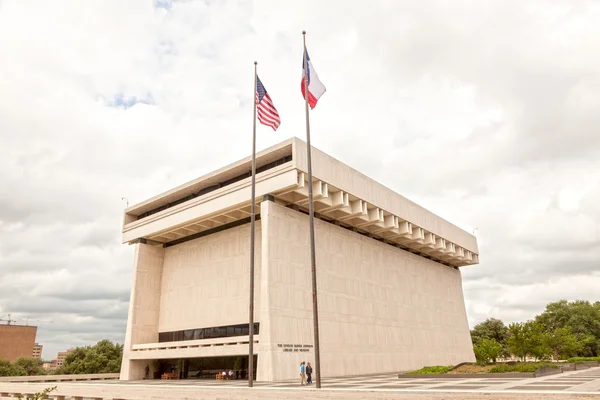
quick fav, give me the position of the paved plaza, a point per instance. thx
(583, 384)
(585, 381)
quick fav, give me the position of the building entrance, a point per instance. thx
(208, 367)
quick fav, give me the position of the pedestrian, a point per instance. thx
(230, 374)
(146, 376)
(309, 371)
(302, 374)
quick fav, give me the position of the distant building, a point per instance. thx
(49, 365)
(37, 350)
(60, 358)
(16, 341)
(57, 362)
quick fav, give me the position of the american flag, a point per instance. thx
(267, 113)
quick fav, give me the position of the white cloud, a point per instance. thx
(485, 113)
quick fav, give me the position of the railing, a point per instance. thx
(124, 391)
(186, 344)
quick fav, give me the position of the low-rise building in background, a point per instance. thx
(37, 350)
(60, 358)
(49, 365)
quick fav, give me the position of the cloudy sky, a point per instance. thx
(486, 113)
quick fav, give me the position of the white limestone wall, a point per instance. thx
(144, 306)
(205, 281)
(381, 309)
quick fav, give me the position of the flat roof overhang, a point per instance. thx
(289, 186)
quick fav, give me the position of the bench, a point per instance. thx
(170, 375)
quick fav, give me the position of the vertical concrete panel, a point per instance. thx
(381, 309)
(265, 364)
(205, 281)
(144, 306)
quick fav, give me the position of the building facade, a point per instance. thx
(37, 350)
(49, 365)
(60, 357)
(389, 283)
(16, 341)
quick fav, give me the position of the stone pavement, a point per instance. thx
(582, 381)
(582, 384)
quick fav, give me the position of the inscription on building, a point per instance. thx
(290, 348)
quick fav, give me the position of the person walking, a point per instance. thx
(309, 371)
(302, 374)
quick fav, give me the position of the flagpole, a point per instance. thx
(252, 218)
(311, 214)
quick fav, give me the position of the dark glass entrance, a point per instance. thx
(208, 367)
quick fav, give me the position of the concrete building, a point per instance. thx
(60, 357)
(57, 362)
(37, 350)
(16, 341)
(49, 365)
(389, 283)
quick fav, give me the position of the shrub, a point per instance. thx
(520, 367)
(581, 359)
(37, 396)
(436, 369)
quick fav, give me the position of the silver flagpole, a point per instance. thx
(252, 214)
(311, 213)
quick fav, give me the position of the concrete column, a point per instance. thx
(144, 307)
(264, 369)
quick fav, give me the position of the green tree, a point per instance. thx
(487, 350)
(491, 328)
(563, 343)
(528, 339)
(103, 357)
(536, 341)
(517, 341)
(7, 369)
(30, 366)
(581, 316)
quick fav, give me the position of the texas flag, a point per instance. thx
(315, 86)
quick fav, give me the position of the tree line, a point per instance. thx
(564, 330)
(103, 357)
